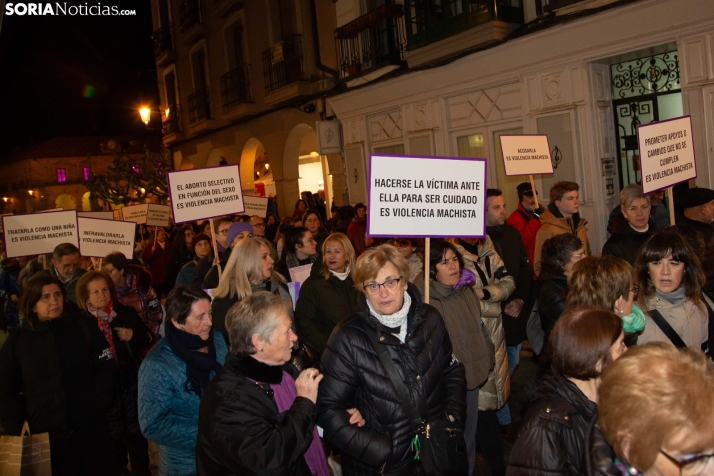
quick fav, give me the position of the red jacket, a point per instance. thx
(528, 226)
(157, 260)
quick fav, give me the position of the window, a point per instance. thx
(61, 175)
(85, 173)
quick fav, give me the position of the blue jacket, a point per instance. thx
(168, 414)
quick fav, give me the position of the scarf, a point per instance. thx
(293, 262)
(104, 318)
(634, 321)
(396, 320)
(674, 297)
(467, 278)
(199, 365)
(341, 276)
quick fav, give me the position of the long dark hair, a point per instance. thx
(293, 237)
(180, 246)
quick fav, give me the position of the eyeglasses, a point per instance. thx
(223, 232)
(259, 225)
(311, 240)
(401, 243)
(635, 290)
(691, 465)
(390, 285)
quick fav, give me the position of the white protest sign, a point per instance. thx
(255, 205)
(525, 154)
(39, 233)
(98, 215)
(426, 196)
(205, 193)
(98, 237)
(135, 213)
(666, 153)
(158, 215)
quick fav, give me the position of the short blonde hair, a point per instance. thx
(597, 282)
(373, 259)
(243, 268)
(652, 393)
(342, 239)
(631, 193)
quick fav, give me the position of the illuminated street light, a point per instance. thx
(145, 113)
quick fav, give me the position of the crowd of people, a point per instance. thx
(200, 345)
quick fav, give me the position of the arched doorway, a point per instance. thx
(215, 158)
(302, 161)
(66, 201)
(186, 164)
(251, 175)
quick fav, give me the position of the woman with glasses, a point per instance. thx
(393, 319)
(583, 343)
(412, 249)
(670, 279)
(632, 227)
(654, 415)
(606, 283)
(313, 222)
(300, 249)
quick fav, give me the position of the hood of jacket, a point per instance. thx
(553, 216)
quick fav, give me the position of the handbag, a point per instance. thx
(438, 443)
(25, 455)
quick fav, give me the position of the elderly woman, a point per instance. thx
(300, 249)
(658, 423)
(633, 227)
(455, 299)
(258, 415)
(551, 441)
(58, 374)
(670, 279)
(249, 270)
(199, 248)
(559, 253)
(174, 376)
(392, 319)
(606, 283)
(126, 335)
(328, 295)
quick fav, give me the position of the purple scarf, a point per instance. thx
(284, 394)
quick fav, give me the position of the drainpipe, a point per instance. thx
(316, 41)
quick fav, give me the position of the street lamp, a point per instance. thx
(145, 113)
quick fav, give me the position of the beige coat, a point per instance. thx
(495, 392)
(690, 321)
(551, 226)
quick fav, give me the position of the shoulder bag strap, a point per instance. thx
(400, 387)
(667, 329)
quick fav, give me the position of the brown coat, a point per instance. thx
(460, 309)
(553, 224)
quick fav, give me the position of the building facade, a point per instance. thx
(585, 74)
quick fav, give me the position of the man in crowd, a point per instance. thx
(508, 244)
(562, 216)
(698, 206)
(220, 230)
(258, 224)
(526, 218)
(65, 267)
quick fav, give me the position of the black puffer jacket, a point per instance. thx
(552, 438)
(240, 431)
(355, 377)
(627, 241)
(551, 298)
(599, 455)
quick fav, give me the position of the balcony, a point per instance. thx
(171, 123)
(284, 64)
(223, 8)
(429, 21)
(371, 41)
(164, 45)
(191, 22)
(199, 105)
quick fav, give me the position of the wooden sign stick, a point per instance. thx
(427, 251)
(535, 195)
(670, 200)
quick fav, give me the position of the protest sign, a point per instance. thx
(98, 215)
(135, 213)
(255, 205)
(158, 215)
(299, 274)
(526, 154)
(426, 196)
(205, 193)
(99, 237)
(666, 153)
(39, 233)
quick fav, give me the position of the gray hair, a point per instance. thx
(258, 313)
(631, 193)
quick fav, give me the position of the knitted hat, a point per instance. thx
(196, 239)
(697, 196)
(236, 228)
(524, 188)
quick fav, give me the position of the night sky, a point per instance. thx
(67, 76)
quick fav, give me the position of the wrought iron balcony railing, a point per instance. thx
(235, 87)
(284, 63)
(189, 14)
(162, 39)
(199, 105)
(371, 41)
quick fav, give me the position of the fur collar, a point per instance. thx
(254, 370)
